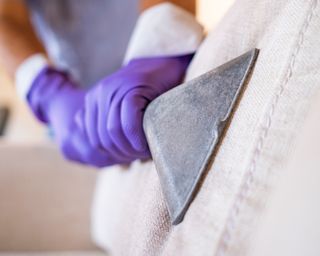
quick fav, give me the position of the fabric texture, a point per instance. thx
(290, 225)
(227, 210)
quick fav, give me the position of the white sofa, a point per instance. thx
(44, 203)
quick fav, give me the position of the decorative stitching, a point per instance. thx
(248, 181)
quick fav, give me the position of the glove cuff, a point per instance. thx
(27, 73)
(164, 30)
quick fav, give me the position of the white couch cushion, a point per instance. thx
(256, 146)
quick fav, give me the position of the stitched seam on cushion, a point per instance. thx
(249, 178)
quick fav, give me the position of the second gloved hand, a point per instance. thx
(55, 99)
(113, 112)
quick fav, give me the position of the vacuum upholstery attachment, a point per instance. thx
(184, 125)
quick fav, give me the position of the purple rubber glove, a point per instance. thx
(55, 99)
(113, 112)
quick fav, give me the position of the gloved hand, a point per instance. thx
(113, 112)
(54, 99)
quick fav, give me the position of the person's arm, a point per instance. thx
(18, 40)
(188, 5)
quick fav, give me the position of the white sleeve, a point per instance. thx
(27, 72)
(164, 29)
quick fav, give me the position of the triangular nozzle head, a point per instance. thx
(183, 127)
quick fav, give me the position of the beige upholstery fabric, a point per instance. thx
(129, 215)
(227, 210)
(290, 225)
(44, 201)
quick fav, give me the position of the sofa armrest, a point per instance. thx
(44, 201)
